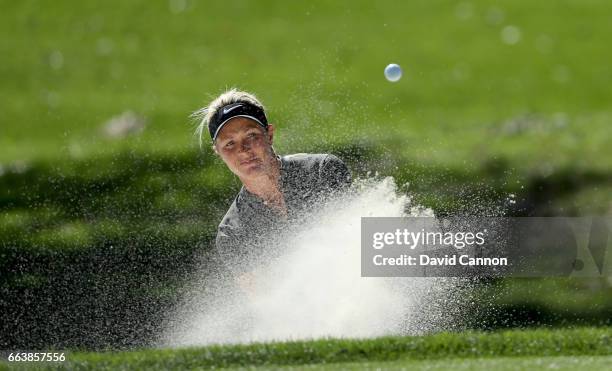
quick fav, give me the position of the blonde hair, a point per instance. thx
(233, 95)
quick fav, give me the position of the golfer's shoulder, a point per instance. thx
(311, 161)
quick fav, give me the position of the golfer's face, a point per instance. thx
(245, 147)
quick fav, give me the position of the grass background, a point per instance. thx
(533, 349)
(98, 234)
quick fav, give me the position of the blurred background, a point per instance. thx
(108, 204)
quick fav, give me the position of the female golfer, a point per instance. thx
(276, 190)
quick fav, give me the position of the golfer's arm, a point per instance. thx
(228, 246)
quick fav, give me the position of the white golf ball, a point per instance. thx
(393, 72)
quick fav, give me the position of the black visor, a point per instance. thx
(241, 109)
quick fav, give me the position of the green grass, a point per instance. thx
(472, 120)
(498, 363)
(315, 65)
(470, 349)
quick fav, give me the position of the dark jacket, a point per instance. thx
(249, 226)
